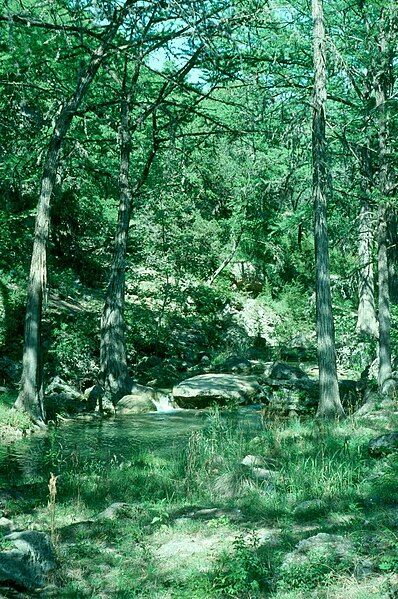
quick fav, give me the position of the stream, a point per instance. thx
(77, 443)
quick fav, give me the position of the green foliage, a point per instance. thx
(74, 349)
(320, 568)
(240, 574)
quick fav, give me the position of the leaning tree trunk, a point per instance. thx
(366, 322)
(30, 398)
(384, 86)
(329, 397)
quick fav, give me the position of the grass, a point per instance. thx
(166, 545)
(13, 423)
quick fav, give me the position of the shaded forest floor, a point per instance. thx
(222, 515)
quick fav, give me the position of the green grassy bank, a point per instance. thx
(197, 523)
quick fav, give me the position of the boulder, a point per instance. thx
(29, 565)
(139, 400)
(136, 403)
(92, 395)
(62, 398)
(383, 444)
(201, 391)
(253, 461)
(257, 321)
(6, 525)
(115, 511)
(340, 547)
(283, 371)
(334, 551)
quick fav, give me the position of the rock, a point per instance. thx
(383, 444)
(257, 321)
(62, 398)
(263, 474)
(282, 371)
(115, 511)
(310, 508)
(252, 460)
(59, 386)
(143, 399)
(92, 395)
(340, 547)
(201, 391)
(235, 364)
(6, 525)
(4, 390)
(137, 403)
(28, 565)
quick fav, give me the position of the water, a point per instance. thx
(118, 440)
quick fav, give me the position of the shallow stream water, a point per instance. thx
(78, 443)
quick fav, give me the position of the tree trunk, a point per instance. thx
(367, 322)
(30, 398)
(329, 397)
(393, 254)
(113, 347)
(113, 355)
(383, 88)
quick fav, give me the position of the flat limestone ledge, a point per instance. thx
(200, 391)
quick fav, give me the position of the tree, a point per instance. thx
(30, 398)
(384, 86)
(329, 398)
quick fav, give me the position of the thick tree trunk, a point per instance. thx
(329, 397)
(393, 254)
(384, 85)
(113, 355)
(367, 322)
(30, 398)
(113, 347)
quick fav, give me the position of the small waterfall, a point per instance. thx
(165, 403)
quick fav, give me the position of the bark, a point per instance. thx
(393, 255)
(383, 88)
(113, 347)
(30, 398)
(113, 355)
(366, 322)
(329, 397)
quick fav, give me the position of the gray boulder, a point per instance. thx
(328, 548)
(140, 399)
(115, 511)
(282, 371)
(62, 398)
(136, 403)
(383, 444)
(337, 545)
(201, 391)
(30, 563)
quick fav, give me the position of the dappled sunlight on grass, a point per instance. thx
(202, 522)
